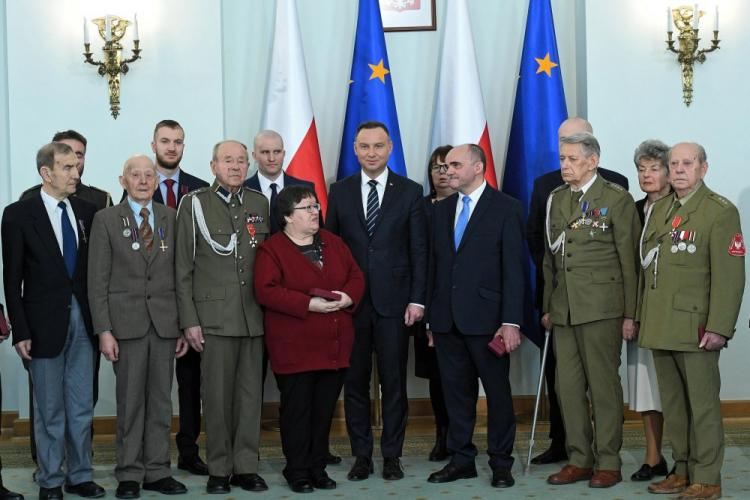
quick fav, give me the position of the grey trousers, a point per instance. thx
(64, 408)
(144, 407)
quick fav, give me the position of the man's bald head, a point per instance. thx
(139, 178)
(574, 125)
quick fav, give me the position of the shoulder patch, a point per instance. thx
(719, 199)
(614, 186)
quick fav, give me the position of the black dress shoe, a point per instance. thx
(647, 473)
(193, 465)
(361, 469)
(321, 481)
(302, 485)
(249, 482)
(552, 455)
(218, 485)
(6, 494)
(392, 469)
(332, 459)
(88, 489)
(128, 489)
(50, 493)
(452, 472)
(166, 486)
(502, 478)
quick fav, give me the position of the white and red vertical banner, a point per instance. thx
(459, 106)
(288, 109)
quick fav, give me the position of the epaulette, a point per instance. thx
(197, 191)
(246, 188)
(720, 200)
(614, 186)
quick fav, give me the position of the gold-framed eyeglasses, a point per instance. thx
(315, 207)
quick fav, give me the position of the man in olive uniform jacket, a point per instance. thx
(692, 254)
(134, 311)
(218, 231)
(590, 292)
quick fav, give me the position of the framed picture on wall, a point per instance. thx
(408, 15)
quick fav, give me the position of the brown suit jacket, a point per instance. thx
(132, 289)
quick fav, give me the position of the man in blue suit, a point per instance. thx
(476, 271)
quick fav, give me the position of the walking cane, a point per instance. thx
(536, 405)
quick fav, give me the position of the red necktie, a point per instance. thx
(171, 200)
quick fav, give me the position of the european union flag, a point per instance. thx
(370, 91)
(539, 111)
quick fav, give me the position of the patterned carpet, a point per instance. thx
(736, 473)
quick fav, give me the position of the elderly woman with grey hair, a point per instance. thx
(651, 160)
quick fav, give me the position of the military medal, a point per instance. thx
(162, 246)
(83, 231)
(251, 231)
(691, 248)
(126, 232)
(135, 245)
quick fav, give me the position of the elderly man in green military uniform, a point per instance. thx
(692, 254)
(218, 231)
(590, 294)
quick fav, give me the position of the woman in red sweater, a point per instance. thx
(309, 285)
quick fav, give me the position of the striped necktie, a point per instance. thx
(373, 207)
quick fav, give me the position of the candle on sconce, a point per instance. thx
(135, 27)
(107, 28)
(669, 19)
(716, 18)
(696, 16)
(85, 31)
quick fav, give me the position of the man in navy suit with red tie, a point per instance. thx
(380, 216)
(476, 271)
(45, 254)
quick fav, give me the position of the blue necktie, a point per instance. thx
(373, 207)
(70, 248)
(463, 220)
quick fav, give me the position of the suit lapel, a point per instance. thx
(482, 204)
(390, 193)
(356, 193)
(451, 201)
(686, 211)
(43, 227)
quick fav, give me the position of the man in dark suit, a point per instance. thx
(174, 183)
(101, 199)
(543, 186)
(380, 215)
(477, 271)
(45, 254)
(5, 493)
(268, 151)
(134, 311)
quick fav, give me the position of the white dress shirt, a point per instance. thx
(474, 195)
(54, 212)
(265, 184)
(380, 188)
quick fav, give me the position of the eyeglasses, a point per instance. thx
(441, 167)
(315, 207)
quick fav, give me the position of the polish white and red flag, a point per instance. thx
(459, 106)
(288, 109)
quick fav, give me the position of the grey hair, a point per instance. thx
(588, 143)
(45, 157)
(652, 149)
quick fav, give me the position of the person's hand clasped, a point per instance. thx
(629, 329)
(511, 337)
(712, 341)
(109, 347)
(194, 336)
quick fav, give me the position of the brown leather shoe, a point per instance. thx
(701, 491)
(674, 483)
(605, 478)
(570, 474)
